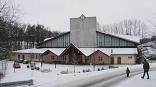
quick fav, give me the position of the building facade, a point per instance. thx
(85, 43)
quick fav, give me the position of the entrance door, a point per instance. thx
(119, 60)
(112, 60)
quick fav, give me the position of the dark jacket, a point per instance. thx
(127, 71)
(146, 65)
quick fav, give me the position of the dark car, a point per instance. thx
(152, 58)
(25, 62)
(16, 65)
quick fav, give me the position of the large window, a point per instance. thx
(104, 40)
(62, 41)
(107, 41)
(66, 40)
(115, 41)
(123, 43)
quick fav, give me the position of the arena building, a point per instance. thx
(85, 43)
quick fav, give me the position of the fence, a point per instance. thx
(17, 83)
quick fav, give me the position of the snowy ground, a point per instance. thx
(54, 77)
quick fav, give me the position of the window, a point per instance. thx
(52, 57)
(64, 57)
(123, 43)
(129, 57)
(32, 56)
(87, 58)
(115, 41)
(18, 56)
(107, 41)
(100, 58)
(36, 56)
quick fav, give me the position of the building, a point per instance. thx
(85, 43)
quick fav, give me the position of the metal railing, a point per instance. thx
(17, 83)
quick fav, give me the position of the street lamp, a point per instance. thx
(74, 62)
(41, 61)
(109, 58)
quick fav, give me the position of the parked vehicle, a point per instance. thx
(25, 62)
(16, 65)
(20, 60)
(16, 61)
(152, 58)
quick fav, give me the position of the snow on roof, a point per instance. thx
(128, 37)
(57, 51)
(85, 51)
(88, 51)
(48, 38)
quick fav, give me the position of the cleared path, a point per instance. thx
(103, 80)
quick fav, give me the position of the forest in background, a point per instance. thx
(15, 35)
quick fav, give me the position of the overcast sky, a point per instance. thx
(56, 14)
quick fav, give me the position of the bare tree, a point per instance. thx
(9, 14)
(128, 27)
(9, 11)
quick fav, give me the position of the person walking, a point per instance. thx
(146, 68)
(127, 72)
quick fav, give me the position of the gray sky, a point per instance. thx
(56, 14)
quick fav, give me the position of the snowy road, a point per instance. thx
(103, 79)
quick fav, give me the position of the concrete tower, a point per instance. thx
(83, 31)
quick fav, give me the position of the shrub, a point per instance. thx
(37, 68)
(46, 70)
(83, 70)
(98, 69)
(27, 66)
(1, 75)
(113, 66)
(102, 68)
(64, 72)
(88, 70)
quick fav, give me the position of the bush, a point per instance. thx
(27, 66)
(102, 68)
(46, 70)
(37, 68)
(113, 66)
(88, 70)
(98, 69)
(1, 75)
(64, 72)
(83, 70)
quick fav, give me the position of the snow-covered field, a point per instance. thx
(55, 77)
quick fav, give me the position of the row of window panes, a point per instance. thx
(104, 40)
(59, 42)
(31, 56)
(52, 57)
